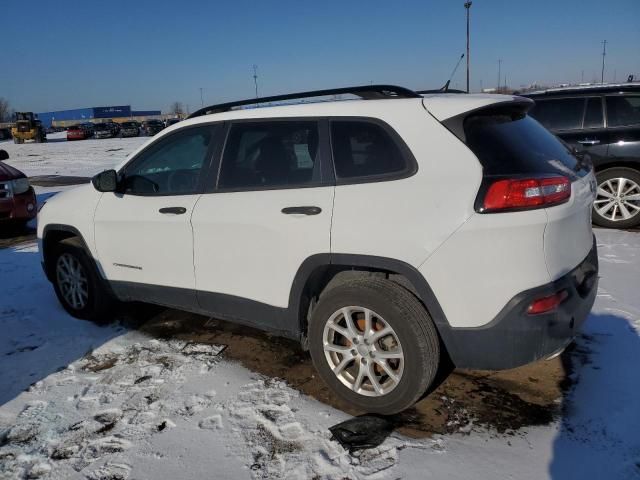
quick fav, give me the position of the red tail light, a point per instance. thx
(547, 304)
(526, 193)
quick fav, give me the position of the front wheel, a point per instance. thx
(77, 284)
(617, 203)
(374, 345)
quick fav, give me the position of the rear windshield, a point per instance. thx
(509, 142)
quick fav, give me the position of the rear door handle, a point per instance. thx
(301, 210)
(173, 210)
(588, 142)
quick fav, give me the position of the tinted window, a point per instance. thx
(623, 110)
(593, 113)
(559, 114)
(270, 154)
(362, 149)
(172, 166)
(512, 143)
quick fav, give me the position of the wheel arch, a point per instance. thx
(52, 235)
(318, 271)
(614, 163)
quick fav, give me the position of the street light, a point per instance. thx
(467, 6)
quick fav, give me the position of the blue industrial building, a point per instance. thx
(78, 115)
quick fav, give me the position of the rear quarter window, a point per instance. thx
(623, 110)
(509, 142)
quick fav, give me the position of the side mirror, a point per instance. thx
(4, 155)
(106, 181)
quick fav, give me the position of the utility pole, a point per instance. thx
(467, 6)
(255, 78)
(499, 73)
(604, 54)
(201, 99)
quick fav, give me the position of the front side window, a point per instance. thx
(559, 114)
(623, 110)
(270, 154)
(364, 149)
(171, 167)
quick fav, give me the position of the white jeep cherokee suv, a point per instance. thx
(390, 234)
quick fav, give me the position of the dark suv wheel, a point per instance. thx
(78, 285)
(617, 203)
(374, 344)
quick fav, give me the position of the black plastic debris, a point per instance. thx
(363, 432)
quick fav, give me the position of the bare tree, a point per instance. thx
(5, 110)
(176, 109)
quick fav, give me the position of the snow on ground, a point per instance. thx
(82, 401)
(80, 157)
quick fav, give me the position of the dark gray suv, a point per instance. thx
(602, 123)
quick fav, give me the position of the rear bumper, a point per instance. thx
(515, 338)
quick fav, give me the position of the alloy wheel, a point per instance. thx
(72, 281)
(618, 199)
(363, 351)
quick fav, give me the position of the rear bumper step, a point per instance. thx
(515, 338)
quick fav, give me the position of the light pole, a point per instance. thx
(467, 6)
(499, 77)
(604, 54)
(255, 78)
(201, 100)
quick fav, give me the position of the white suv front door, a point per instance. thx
(143, 233)
(271, 211)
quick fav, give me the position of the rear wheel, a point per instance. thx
(374, 344)
(77, 284)
(617, 203)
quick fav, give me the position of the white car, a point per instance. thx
(392, 234)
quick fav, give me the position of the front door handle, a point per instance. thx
(301, 210)
(588, 142)
(173, 210)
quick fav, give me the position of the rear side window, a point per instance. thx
(270, 154)
(364, 149)
(623, 110)
(509, 142)
(559, 114)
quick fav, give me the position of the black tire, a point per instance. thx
(602, 177)
(410, 321)
(100, 305)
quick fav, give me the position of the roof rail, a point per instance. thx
(366, 92)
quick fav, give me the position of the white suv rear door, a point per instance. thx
(271, 211)
(143, 233)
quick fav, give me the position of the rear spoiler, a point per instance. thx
(455, 124)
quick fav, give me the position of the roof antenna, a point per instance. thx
(445, 89)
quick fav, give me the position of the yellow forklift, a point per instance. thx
(28, 127)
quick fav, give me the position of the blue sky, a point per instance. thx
(74, 54)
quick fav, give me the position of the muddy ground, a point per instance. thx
(502, 401)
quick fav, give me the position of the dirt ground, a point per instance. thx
(503, 401)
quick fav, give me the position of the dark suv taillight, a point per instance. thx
(509, 194)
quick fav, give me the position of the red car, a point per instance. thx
(17, 198)
(78, 132)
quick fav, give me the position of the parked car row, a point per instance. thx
(131, 128)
